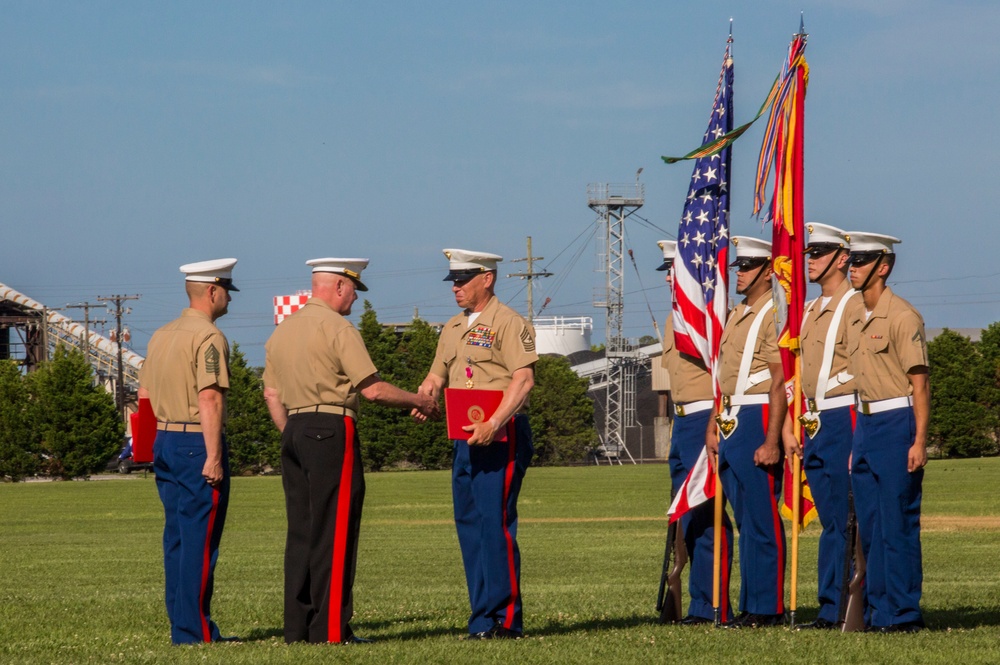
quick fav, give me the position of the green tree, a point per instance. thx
(424, 444)
(561, 414)
(77, 422)
(988, 377)
(254, 441)
(18, 450)
(379, 427)
(959, 424)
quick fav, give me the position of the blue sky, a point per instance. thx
(139, 136)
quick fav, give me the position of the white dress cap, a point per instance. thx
(464, 264)
(823, 234)
(669, 248)
(862, 242)
(216, 271)
(751, 248)
(347, 267)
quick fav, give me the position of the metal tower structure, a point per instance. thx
(613, 204)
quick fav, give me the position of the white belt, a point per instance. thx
(742, 400)
(871, 408)
(817, 405)
(693, 407)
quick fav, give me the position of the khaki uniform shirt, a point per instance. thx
(690, 380)
(315, 356)
(885, 347)
(813, 341)
(734, 337)
(183, 358)
(497, 344)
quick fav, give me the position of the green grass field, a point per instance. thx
(82, 582)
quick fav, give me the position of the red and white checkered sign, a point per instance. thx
(288, 305)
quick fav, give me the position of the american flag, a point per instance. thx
(701, 281)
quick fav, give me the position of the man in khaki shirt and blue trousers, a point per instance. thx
(888, 358)
(693, 396)
(316, 365)
(488, 346)
(185, 376)
(829, 415)
(753, 413)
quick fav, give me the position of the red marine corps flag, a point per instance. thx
(783, 147)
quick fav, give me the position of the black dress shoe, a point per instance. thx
(497, 632)
(818, 624)
(905, 627)
(751, 620)
(231, 638)
(692, 620)
(354, 639)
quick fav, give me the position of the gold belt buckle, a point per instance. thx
(864, 409)
(726, 402)
(726, 425)
(810, 425)
(811, 403)
(679, 410)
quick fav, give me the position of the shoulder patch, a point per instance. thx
(212, 359)
(526, 341)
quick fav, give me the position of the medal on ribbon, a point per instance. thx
(468, 373)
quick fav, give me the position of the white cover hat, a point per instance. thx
(669, 248)
(347, 267)
(824, 234)
(751, 248)
(464, 264)
(216, 271)
(865, 243)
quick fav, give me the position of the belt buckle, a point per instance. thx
(727, 425)
(811, 403)
(865, 409)
(726, 402)
(810, 425)
(679, 410)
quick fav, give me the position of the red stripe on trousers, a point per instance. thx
(206, 565)
(508, 478)
(340, 535)
(776, 518)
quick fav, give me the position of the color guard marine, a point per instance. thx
(888, 358)
(750, 424)
(693, 398)
(827, 421)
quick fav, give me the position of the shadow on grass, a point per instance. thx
(962, 618)
(263, 634)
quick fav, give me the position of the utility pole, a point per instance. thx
(530, 275)
(120, 381)
(85, 306)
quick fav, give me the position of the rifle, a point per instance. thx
(668, 600)
(852, 589)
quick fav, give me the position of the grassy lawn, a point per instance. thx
(82, 580)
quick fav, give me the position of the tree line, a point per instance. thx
(57, 422)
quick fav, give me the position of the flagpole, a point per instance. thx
(717, 548)
(796, 489)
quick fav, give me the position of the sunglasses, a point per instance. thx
(820, 251)
(743, 265)
(864, 258)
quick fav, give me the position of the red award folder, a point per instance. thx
(464, 407)
(143, 432)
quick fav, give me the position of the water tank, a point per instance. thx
(563, 335)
